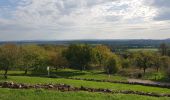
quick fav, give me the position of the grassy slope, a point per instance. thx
(78, 83)
(8, 94)
(89, 75)
(77, 74)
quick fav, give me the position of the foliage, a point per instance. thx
(57, 60)
(163, 49)
(79, 56)
(100, 54)
(91, 84)
(29, 57)
(165, 61)
(126, 63)
(112, 64)
(8, 57)
(144, 60)
(39, 94)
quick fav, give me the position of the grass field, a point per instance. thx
(142, 49)
(7, 94)
(69, 73)
(79, 83)
(18, 77)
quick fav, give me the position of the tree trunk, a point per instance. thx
(56, 68)
(144, 70)
(81, 68)
(84, 67)
(26, 70)
(157, 69)
(5, 74)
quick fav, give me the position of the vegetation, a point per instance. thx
(90, 84)
(7, 94)
(79, 56)
(28, 64)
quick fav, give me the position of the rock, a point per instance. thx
(50, 86)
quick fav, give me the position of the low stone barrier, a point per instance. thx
(121, 82)
(64, 88)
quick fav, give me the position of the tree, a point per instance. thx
(57, 60)
(126, 63)
(100, 54)
(163, 49)
(112, 64)
(33, 57)
(28, 56)
(144, 60)
(165, 61)
(8, 57)
(157, 61)
(79, 56)
(41, 60)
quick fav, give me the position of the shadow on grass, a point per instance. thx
(164, 79)
(67, 74)
(53, 74)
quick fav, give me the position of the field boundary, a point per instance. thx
(121, 82)
(65, 88)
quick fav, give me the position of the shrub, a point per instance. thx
(112, 64)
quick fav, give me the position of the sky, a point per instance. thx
(84, 19)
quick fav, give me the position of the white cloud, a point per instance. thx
(78, 19)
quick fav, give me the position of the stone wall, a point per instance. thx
(64, 88)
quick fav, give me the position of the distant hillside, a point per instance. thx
(119, 43)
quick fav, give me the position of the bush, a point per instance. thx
(168, 72)
(112, 64)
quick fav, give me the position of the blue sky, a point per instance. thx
(84, 19)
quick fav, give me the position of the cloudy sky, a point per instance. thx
(84, 19)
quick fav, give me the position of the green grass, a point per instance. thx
(142, 49)
(9, 94)
(78, 83)
(69, 73)
(156, 76)
(99, 75)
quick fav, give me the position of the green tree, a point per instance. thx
(163, 49)
(78, 55)
(112, 64)
(165, 61)
(8, 57)
(41, 59)
(100, 54)
(29, 57)
(57, 60)
(126, 63)
(157, 63)
(144, 60)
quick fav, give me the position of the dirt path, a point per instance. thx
(147, 82)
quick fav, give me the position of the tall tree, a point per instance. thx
(157, 61)
(144, 60)
(78, 55)
(8, 57)
(57, 60)
(163, 49)
(100, 54)
(28, 56)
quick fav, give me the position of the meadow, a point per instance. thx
(17, 76)
(7, 94)
(142, 49)
(96, 69)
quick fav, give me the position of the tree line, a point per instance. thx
(36, 58)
